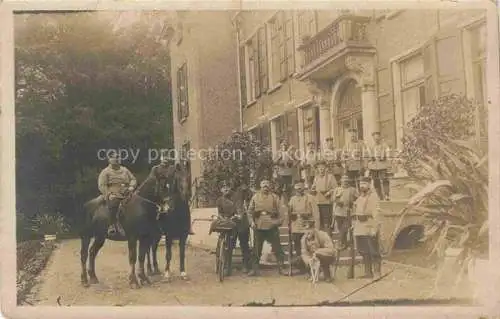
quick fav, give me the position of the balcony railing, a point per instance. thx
(345, 30)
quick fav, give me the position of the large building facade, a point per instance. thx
(309, 75)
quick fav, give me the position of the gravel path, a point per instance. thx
(61, 278)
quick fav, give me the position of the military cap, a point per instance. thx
(352, 130)
(376, 133)
(329, 139)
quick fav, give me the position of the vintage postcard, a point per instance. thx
(242, 158)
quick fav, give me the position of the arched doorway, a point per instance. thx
(349, 112)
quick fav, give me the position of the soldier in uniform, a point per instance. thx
(228, 208)
(378, 165)
(115, 182)
(345, 196)
(316, 244)
(265, 218)
(332, 157)
(323, 186)
(309, 163)
(302, 209)
(366, 228)
(285, 165)
(353, 158)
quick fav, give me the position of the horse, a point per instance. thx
(137, 215)
(175, 223)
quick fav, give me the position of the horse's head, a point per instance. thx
(173, 185)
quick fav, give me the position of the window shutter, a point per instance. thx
(256, 80)
(292, 128)
(243, 82)
(264, 83)
(179, 95)
(289, 44)
(186, 97)
(449, 62)
(266, 134)
(429, 67)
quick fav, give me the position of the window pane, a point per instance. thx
(411, 101)
(447, 56)
(412, 69)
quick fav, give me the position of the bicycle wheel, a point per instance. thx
(217, 253)
(222, 259)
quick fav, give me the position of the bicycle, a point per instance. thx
(224, 244)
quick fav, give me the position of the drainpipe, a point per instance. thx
(235, 24)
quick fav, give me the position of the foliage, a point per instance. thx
(85, 82)
(252, 161)
(451, 116)
(45, 224)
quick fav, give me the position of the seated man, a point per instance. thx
(317, 245)
(115, 182)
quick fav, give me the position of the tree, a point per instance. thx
(86, 82)
(241, 159)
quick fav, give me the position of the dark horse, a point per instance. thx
(137, 215)
(174, 224)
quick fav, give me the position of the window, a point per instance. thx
(257, 77)
(478, 46)
(182, 93)
(307, 23)
(282, 46)
(287, 128)
(262, 133)
(412, 86)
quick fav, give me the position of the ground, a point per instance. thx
(61, 278)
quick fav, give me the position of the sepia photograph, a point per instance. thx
(285, 157)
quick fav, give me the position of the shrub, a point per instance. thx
(49, 224)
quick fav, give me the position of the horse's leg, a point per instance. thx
(144, 246)
(154, 249)
(148, 260)
(168, 256)
(94, 250)
(182, 255)
(132, 259)
(84, 254)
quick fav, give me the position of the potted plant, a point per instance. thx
(49, 225)
(453, 197)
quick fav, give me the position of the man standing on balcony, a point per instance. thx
(265, 219)
(332, 157)
(353, 158)
(378, 165)
(366, 228)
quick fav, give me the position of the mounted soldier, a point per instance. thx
(115, 182)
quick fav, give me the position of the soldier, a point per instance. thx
(353, 158)
(323, 186)
(265, 219)
(302, 209)
(345, 196)
(316, 244)
(227, 208)
(285, 165)
(114, 183)
(366, 228)
(309, 163)
(333, 160)
(378, 165)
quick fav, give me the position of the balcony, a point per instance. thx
(322, 52)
